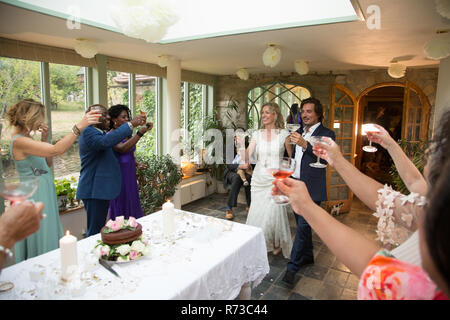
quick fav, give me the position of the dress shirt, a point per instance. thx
(299, 150)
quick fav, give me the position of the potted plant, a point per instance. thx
(65, 191)
(416, 152)
(158, 177)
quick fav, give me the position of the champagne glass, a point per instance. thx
(313, 140)
(99, 111)
(280, 168)
(18, 188)
(292, 127)
(369, 127)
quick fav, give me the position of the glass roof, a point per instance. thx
(208, 18)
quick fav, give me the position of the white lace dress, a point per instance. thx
(398, 216)
(263, 213)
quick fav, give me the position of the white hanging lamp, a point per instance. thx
(242, 73)
(86, 48)
(144, 19)
(396, 70)
(271, 56)
(163, 60)
(438, 47)
(302, 67)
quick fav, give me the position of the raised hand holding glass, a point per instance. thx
(280, 168)
(369, 127)
(313, 140)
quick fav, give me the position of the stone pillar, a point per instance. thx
(442, 92)
(45, 96)
(172, 107)
(100, 81)
(172, 117)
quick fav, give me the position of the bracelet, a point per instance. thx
(76, 131)
(6, 251)
(139, 134)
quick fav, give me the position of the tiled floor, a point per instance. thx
(326, 279)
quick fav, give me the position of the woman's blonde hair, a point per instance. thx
(275, 109)
(26, 114)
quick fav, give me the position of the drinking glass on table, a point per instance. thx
(280, 168)
(369, 127)
(18, 188)
(313, 140)
(292, 127)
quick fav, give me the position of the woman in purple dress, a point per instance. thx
(127, 204)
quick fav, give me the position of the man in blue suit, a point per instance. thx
(100, 176)
(314, 179)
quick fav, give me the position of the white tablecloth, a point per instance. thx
(208, 258)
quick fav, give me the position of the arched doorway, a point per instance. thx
(403, 110)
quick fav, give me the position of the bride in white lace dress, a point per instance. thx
(268, 143)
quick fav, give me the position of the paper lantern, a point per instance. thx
(443, 8)
(271, 56)
(396, 70)
(302, 67)
(143, 19)
(438, 47)
(86, 48)
(163, 60)
(242, 74)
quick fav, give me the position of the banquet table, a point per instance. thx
(206, 258)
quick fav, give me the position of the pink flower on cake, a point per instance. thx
(109, 223)
(132, 222)
(116, 226)
(133, 255)
(104, 250)
(120, 220)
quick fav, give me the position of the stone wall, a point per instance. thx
(319, 85)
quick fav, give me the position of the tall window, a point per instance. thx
(146, 102)
(283, 94)
(19, 79)
(67, 108)
(192, 115)
(117, 88)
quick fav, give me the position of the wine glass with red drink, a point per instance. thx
(280, 168)
(18, 188)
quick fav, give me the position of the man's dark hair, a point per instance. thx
(318, 108)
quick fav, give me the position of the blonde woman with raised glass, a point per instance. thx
(33, 157)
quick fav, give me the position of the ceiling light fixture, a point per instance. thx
(86, 48)
(242, 73)
(439, 46)
(271, 56)
(443, 8)
(163, 60)
(143, 19)
(302, 67)
(396, 70)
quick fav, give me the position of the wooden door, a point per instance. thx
(342, 120)
(416, 114)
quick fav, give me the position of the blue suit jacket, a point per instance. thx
(314, 178)
(100, 176)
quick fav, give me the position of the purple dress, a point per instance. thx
(127, 204)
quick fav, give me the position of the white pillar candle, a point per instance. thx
(168, 218)
(69, 256)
